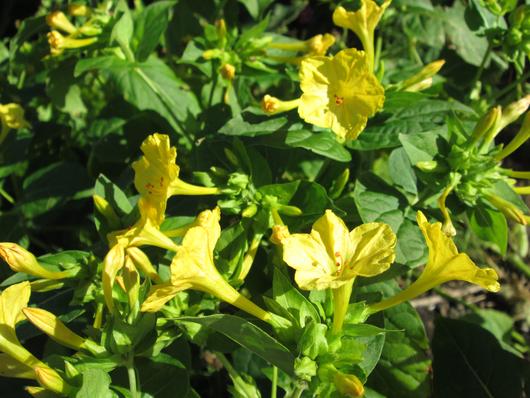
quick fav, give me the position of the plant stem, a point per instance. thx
(481, 67)
(274, 381)
(131, 373)
(519, 264)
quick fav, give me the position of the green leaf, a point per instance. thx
(249, 336)
(323, 143)
(54, 185)
(123, 29)
(291, 300)
(149, 26)
(490, 225)
(422, 147)
(401, 171)
(149, 85)
(162, 376)
(469, 362)
(95, 383)
(404, 368)
(470, 47)
(238, 126)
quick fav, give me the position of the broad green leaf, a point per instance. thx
(401, 171)
(422, 147)
(149, 26)
(404, 368)
(323, 143)
(249, 336)
(469, 362)
(54, 185)
(489, 225)
(238, 126)
(95, 383)
(470, 47)
(123, 29)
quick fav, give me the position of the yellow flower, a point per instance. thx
(228, 71)
(11, 117)
(272, 105)
(339, 92)
(316, 45)
(444, 264)
(12, 301)
(156, 176)
(363, 23)
(348, 384)
(193, 268)
(57, 20)
(331, 256)
(58, 43)
(21, 260)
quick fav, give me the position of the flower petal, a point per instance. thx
(373, 251)
(12, 300)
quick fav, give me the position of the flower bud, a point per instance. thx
(420, 86)
(220, 25)
(338, 185)
(289, 210)
(10, 367)
(228, 71)
(50, 380)
(426, 72)
(427, 165)
(249, 211)
(70, 370)
(512, 112)
(21, 260)
(210, 54)
(39, 392)
(272, 105)
(105, 209)
(520, 138)
(142, 262)
(57, 20)
(79, 10)
(348, 384)
(507, 208)
(486, 126)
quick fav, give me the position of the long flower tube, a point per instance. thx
(193, 268)
(444, 264)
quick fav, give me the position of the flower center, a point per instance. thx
(338, 99)
(338, 262)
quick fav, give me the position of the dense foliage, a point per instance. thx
(248, 198)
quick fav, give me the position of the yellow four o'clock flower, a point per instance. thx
(332, 257)
(12, 300)
(338, 92)
(363, 22)
(444, 264)
(157, 175)
(156, 179)
(193, 268)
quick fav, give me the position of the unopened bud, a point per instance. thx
(70, 370)
(39, 392)
(348, 384)
(58, 42)
(231, 156)
(520, 138)
(339, 184)
(57, 20)
(420, 86)
(21, 260)
(106, 210)
(427, 165)
(249, 211)
(289, 210)
(220, 25)
(210, 54)
(142, 262)
(79, 10)
(50, 380)
(426, 72)
(228, 71)
(272, 105)
(512, 112)
(10, 367)
(507, 208)
(487, 126)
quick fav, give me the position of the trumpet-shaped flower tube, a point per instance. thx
(339, 92)
(363, 23)
(193, 268)
(444, 264)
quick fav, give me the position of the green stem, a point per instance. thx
(519, 264)
(509, 88)
(481, 67)
(274, 387)
(131, 373)
(6, 196)
(341, 300)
